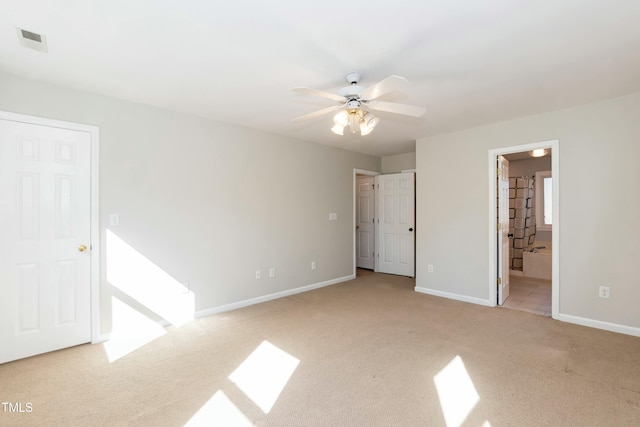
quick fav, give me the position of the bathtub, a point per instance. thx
(537, 264)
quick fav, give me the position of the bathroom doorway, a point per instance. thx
(525, 276)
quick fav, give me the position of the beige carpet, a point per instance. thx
(368, 352)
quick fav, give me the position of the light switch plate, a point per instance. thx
(114, 220)
(333, 216)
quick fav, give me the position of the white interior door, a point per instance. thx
(365, 229)
(395, 195)
(503, 230)
(45, 221)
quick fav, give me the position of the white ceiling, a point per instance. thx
(468, 62)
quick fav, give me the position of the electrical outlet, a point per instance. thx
(258, 274)
(429, 268)
(313, 265)
(272, 272)
(604, 292)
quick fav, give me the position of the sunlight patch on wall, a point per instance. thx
(264, 374)
(138, 277)
(219, 411)
(456, 392)
(131, 330)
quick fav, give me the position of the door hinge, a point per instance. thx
(499, 172)
(499, 226)
(499, 280)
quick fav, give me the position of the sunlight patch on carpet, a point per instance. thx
(130, 330)
(141, 279)
(456, 392)
(264, 374)
(219, 411)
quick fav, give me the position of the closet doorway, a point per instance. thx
(365, 227)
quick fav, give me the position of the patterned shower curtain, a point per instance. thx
(522, 220)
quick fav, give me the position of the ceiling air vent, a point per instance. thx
(32, 40)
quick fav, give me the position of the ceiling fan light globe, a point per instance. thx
(364, 129)
(370, 121)
(341, 119)
(354, 122)
(338, 129)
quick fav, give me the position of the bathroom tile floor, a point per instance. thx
(528, 294)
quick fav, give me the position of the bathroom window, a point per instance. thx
(544, 200)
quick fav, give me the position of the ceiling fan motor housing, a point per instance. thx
(353, 104)
(351, 91)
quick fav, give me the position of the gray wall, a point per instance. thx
(210, 203)
(398, 163)
(599, 238)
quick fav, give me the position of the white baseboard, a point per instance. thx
(591, 323)
(101, 338)
(450, 295)
(233, 306)
(257, 300)
(599, 324)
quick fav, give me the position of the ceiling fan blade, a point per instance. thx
(320, 93)
(318, 113)
(392, 107)
(385, 86)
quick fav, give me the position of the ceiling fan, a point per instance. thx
(356, 102)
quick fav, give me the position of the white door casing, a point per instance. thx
(502, 240)
(46, 223)
(395, 218)
(365, 228)
(554, 145)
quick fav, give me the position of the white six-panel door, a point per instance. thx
(365, 229)
(45, 221)
(503, 230)
(396, 224)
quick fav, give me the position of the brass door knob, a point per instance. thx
(82, 248)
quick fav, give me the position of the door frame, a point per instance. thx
(555, 236)
(357, 172)
(94, 133)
